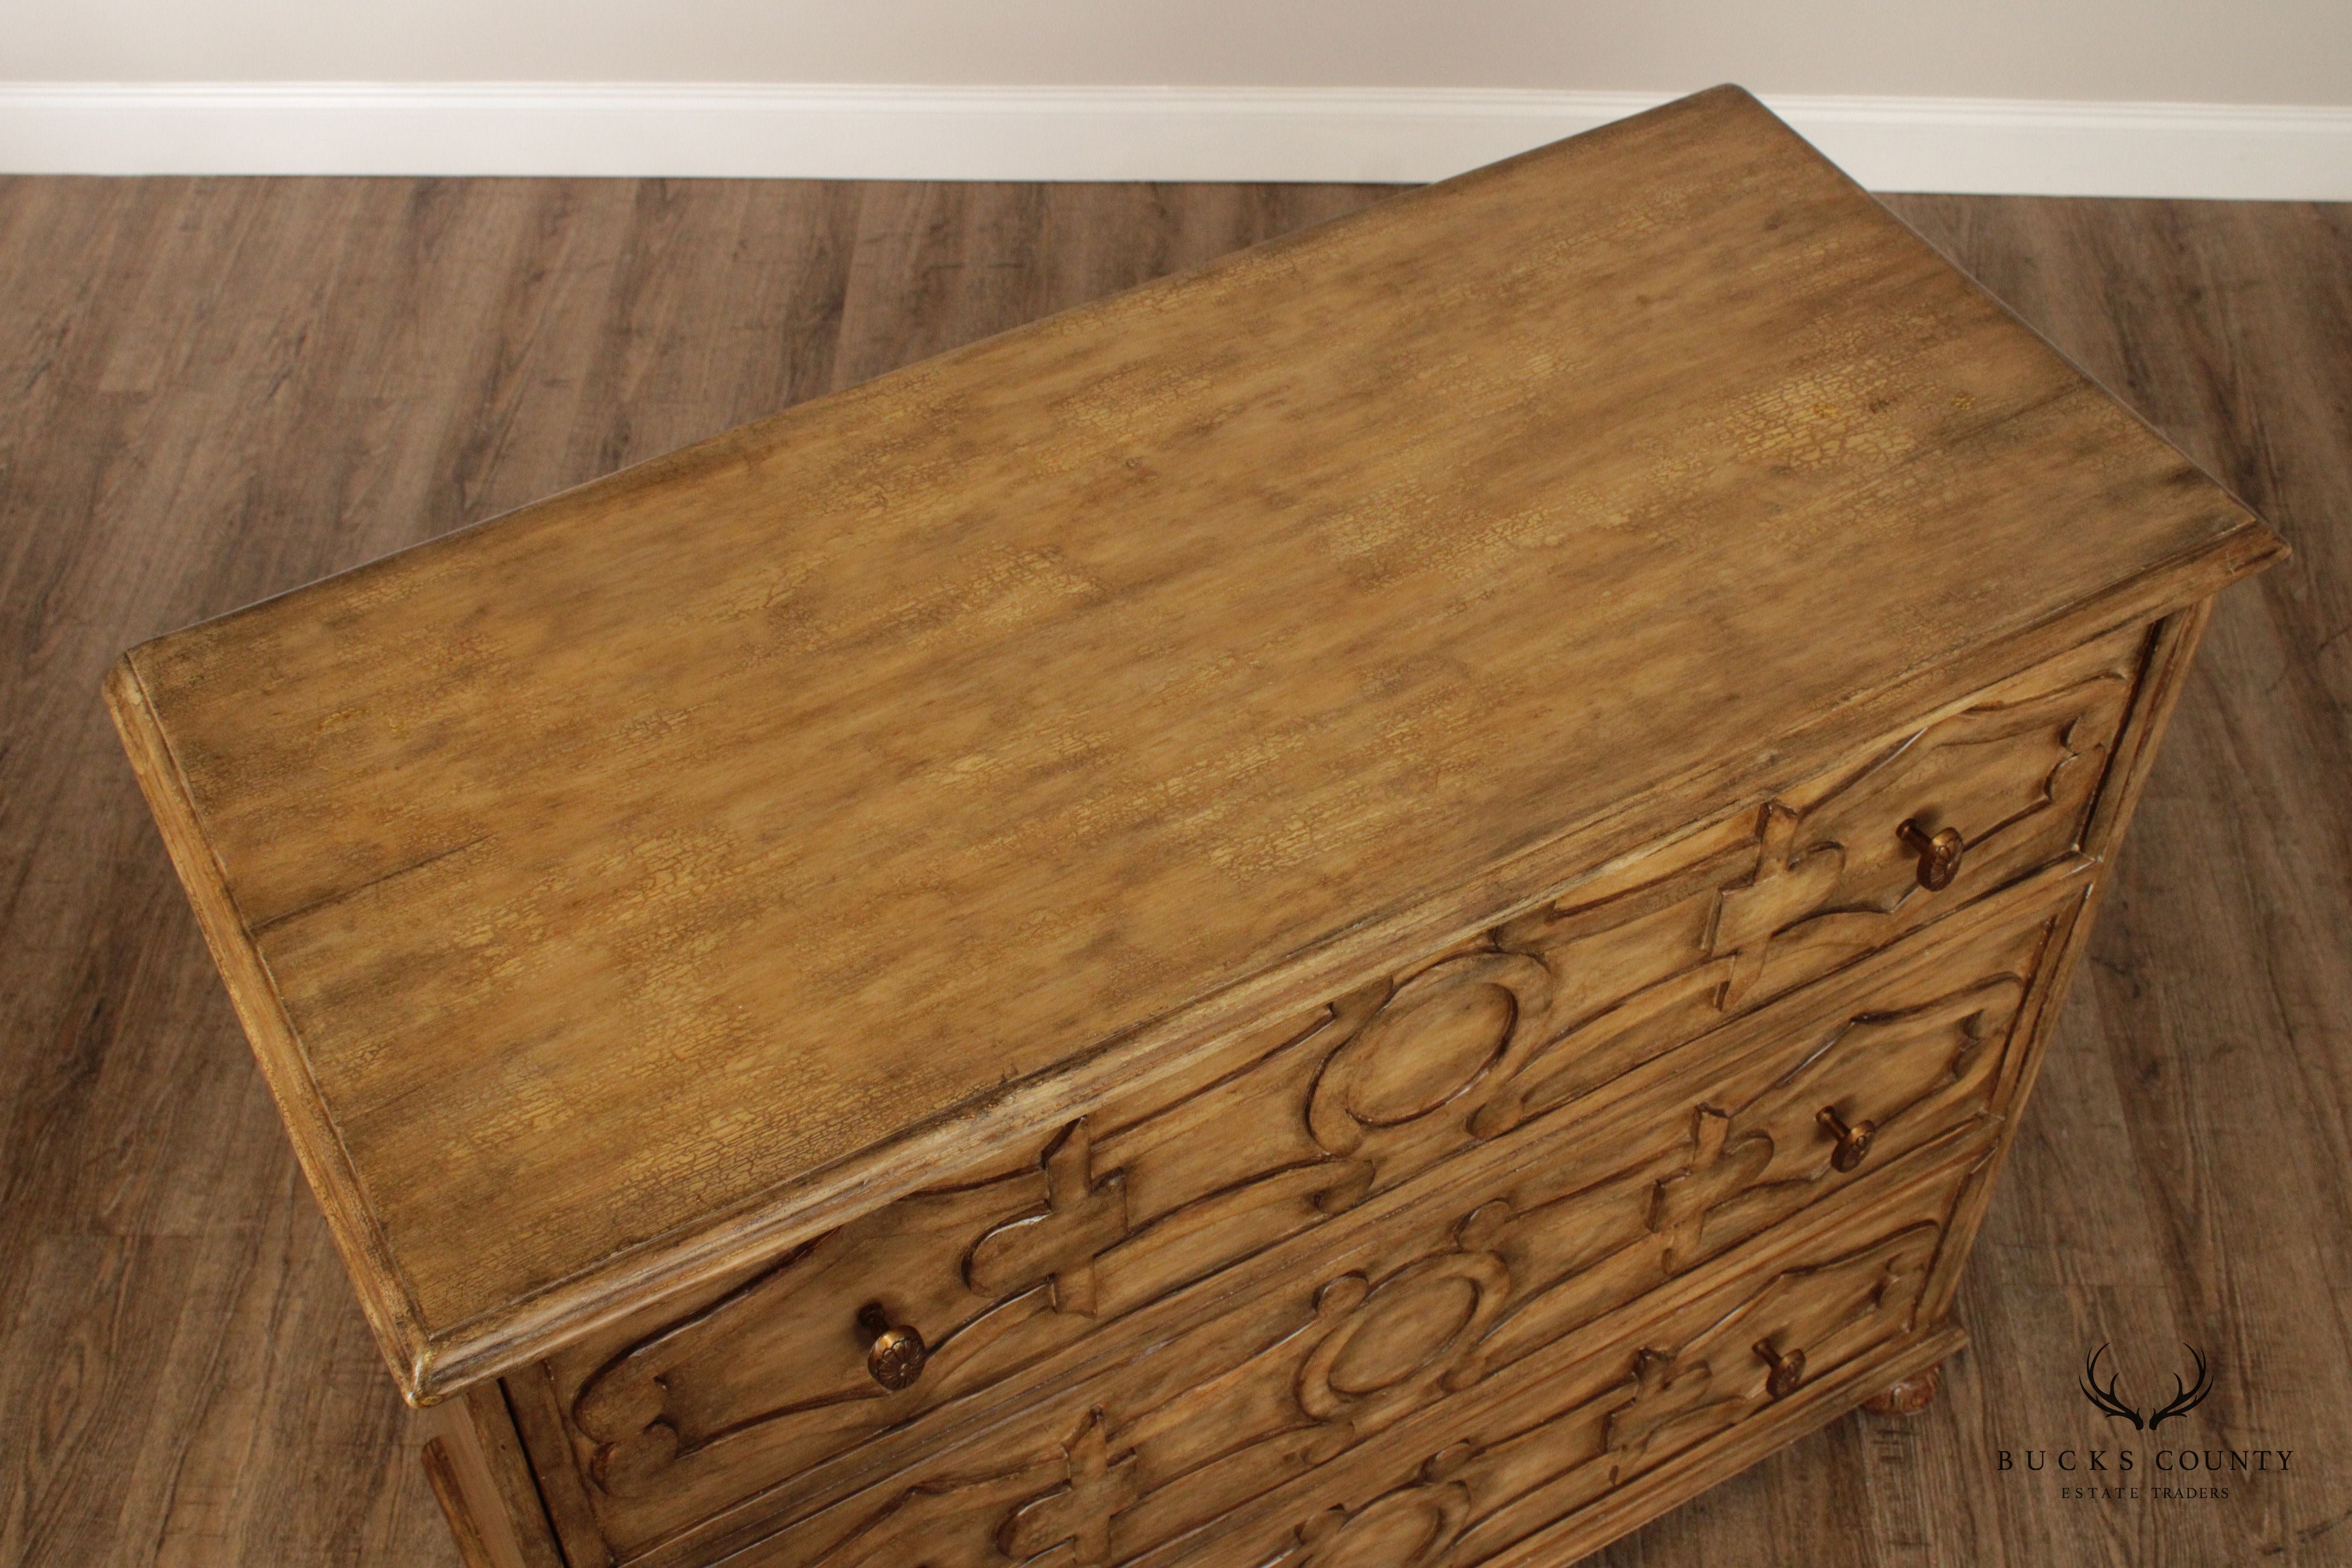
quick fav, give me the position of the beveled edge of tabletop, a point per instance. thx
(431, 1365)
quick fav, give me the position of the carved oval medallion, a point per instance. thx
(1415, 1323)
(1399, 1531)
(1424, 1049)
(1387, 1349)
(1457, 1026)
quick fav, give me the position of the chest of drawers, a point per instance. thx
(1388, 904)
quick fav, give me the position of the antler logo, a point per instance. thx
(2185, 1397)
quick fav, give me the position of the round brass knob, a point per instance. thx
(1940, 853)
(896, 1357)
(1853, 1141)
(1788, 1373)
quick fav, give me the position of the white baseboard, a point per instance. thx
(1117, 134)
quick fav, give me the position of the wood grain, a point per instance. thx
(219, 389)
(653, 877)
(689, 1405)
(1505, 1469)
(483, 1480)
(1661, 1167)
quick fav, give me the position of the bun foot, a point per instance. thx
(1910, 1397)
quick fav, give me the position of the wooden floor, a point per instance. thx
(213, 390)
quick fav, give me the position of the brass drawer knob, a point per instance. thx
(1788, 1373)
(1939, 853)
(897, 1356)
(1853, 1141)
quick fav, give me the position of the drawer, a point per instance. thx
(682, 1411)
(1670, 942)
(1472, 1286)
(1573, 1436)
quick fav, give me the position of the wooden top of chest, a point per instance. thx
(674, 867)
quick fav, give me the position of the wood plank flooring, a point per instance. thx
(213, 390)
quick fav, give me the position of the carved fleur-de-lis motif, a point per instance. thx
(1665, 1390)
(1719, 1166)
(1081, 1219)
(1781, 890)
(1079, 1511)
(1411, 1525)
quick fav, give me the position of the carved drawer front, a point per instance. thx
(669, 1419)
(1284, 1429)
(1439, 1292)
(1671, 944)
(1521, 1462)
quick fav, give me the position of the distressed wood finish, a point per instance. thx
(898, 775)
(475, 1461)
(1530, 1474)
(1666, 1167)
(1392, 902)
(1238, 1451)
(1292, 1126)
(216, 389)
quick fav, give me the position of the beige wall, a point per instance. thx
(2215, 51)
